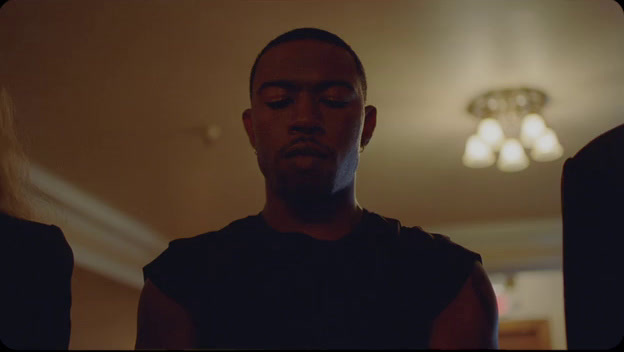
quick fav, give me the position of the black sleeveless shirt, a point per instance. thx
(249, 286)
(36, 265)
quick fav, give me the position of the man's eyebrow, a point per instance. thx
(288, 85)
(291, 85)
(323, 85)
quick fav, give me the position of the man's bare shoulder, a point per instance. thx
(162, 323)
(470, 321)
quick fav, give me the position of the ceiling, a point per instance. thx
(111, 96)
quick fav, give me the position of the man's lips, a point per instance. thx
(305, 149)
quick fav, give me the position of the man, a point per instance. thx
(314, 269)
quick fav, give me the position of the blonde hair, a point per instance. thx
(13, 163)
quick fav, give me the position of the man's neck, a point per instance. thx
(325, 219)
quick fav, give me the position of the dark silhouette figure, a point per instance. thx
(36, 262)
(36, 265)
(593, 243)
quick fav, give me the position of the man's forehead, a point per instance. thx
(316, 86)
(306, 60)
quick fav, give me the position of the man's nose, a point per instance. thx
(307, 117)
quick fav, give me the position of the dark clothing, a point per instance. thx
(593, 238)
(249, 286)
(36, 265)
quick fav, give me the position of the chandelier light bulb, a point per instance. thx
(510, 128)
(491, 132)
(533, 126)
(512, 157)
(478, 153)
(547, 147)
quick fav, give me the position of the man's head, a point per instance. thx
(310, 33)
(307, 120)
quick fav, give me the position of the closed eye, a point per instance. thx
(334, 103)
(279, 104)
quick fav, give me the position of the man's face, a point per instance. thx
(307, 118)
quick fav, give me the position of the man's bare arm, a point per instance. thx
(470, 321)
(162, 323)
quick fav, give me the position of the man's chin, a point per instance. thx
(300, 183)
(306, 191)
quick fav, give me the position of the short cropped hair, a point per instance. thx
(310, 33)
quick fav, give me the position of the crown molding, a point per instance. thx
(510, 246)
(106, 241)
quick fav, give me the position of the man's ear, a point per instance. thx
(248, 123)
(370, 121)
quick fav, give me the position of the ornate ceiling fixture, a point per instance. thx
(510, 122)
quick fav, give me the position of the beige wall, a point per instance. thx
(539, 295)
(103, 312)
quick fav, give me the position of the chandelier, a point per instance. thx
(510, 122)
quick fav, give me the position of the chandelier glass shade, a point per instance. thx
(510, 121)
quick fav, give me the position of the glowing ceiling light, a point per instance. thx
(512, 157)
(521, 100)
(533, 126)
(491, 132)
(547, 147)
(477, 153)
(512, 113)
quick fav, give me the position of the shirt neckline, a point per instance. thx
(357, 231)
